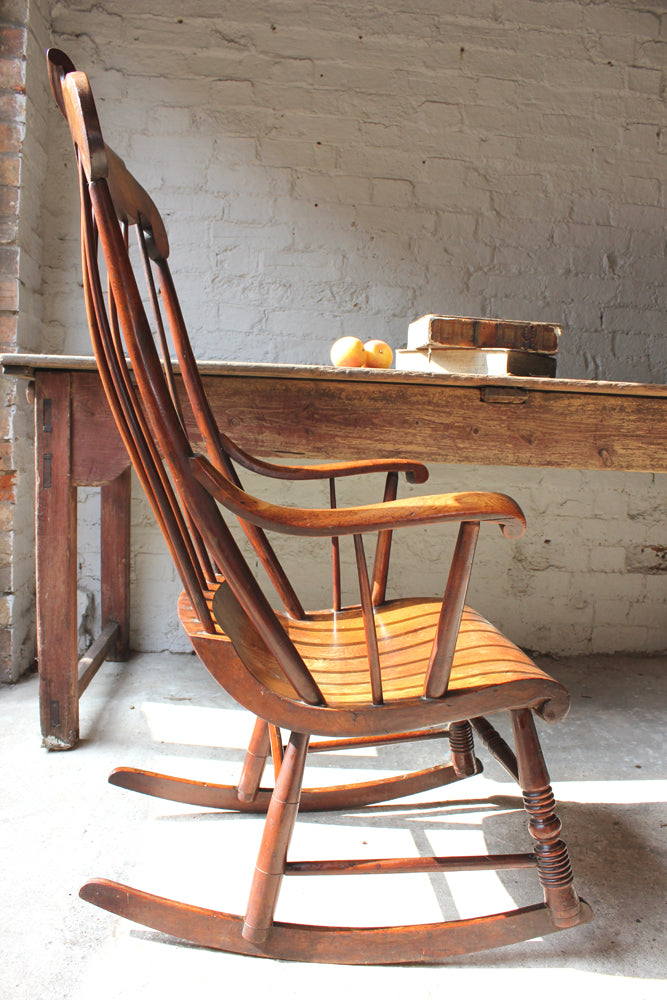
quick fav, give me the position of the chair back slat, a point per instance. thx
(217, 444)
(198, 559)
(133, 206)
(130, 418)
(198, 542)
(157, 316)
(170, 438)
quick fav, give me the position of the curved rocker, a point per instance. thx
(325, 799)
(374, 672)
(413, 943)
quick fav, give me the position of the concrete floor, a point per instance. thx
(62, 823)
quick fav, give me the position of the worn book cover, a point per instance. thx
(465, 331)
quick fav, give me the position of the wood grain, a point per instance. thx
(115, 560)
(442, 423)
(304, 412)
(25, 366)
(56, 565)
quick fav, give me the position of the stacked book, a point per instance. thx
(460, 345)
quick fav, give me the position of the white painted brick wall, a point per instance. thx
(335, 168)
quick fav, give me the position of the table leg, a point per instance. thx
(115, 561)
(56, 557)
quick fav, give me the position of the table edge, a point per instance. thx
(26, 365)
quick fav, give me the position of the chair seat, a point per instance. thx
(333, 647)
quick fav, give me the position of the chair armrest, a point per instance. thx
(415, 472)
(478, 506)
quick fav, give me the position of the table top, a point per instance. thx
(25, 366)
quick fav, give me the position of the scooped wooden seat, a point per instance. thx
(374, 672)
(333, 647)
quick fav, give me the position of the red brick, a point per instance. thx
(12, 42)
(11, 137)
(9, 261)
(12, 107)
(8, 229)
(9, 170)
(9, 201)
(6, 456)
(12, 75)
(7, 487)
(9, 295)
(8, 344)
(7, 332)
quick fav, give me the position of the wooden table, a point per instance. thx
(294, 411)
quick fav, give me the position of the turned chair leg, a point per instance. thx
(462, 749)
(553, 863)
(278, 827)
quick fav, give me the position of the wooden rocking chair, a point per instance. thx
(377, 672)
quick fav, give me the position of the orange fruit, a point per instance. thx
(348, 352)
(378, 354)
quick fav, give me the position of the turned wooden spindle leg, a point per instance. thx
(553, 863)
(280, 819)
(462, 749)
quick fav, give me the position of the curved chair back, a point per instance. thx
(141, 386)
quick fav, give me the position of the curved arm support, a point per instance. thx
(478, 506)
(415, 472)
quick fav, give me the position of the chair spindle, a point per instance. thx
(383, 548)
(444, 644)
(369, 622)
(335, 553)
